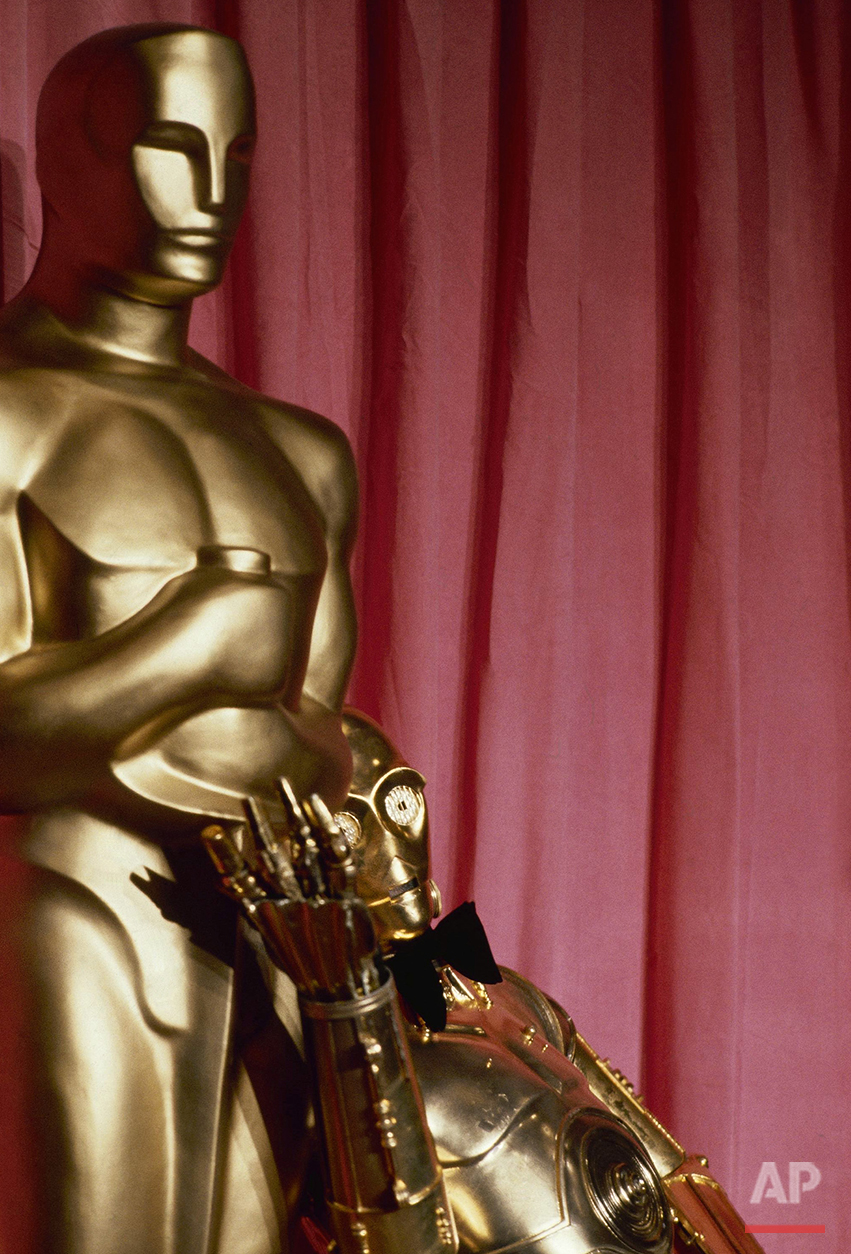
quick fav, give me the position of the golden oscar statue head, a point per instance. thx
(144, 139)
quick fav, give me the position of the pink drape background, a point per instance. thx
(575, 276)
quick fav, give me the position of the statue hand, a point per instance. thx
(243, 623)
(296, 886)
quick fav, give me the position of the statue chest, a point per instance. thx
(135, 485)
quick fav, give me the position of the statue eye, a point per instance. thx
(403, 804)
(350, 827)
(242, 149)
(174, 137)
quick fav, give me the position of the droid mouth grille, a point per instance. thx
(399, 889)
(624, 1189)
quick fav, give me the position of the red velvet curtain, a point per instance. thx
(575, 277)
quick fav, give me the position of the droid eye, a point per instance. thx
(350, 827)
(403, 805)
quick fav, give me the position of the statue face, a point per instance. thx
(144, 149)
(385, 823)
(191, 159)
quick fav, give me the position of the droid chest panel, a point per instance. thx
(531, 1160)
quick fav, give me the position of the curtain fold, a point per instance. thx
(574, 275)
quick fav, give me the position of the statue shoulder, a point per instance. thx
(32, 412)
(28, 430)
(316, 448)
(321, 454)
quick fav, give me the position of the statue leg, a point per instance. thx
(127, 1052)
(271, 1140)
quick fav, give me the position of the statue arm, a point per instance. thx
(322, 457)
(67, 709)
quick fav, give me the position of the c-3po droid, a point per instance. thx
(478, 1118)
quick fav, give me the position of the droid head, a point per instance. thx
(385, 824)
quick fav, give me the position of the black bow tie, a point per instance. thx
(457, 941)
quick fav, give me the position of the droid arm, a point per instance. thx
(706, 1222)
(383, 1183)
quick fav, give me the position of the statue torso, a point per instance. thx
(129, 477)
(115, 478)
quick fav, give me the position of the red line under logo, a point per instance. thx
(784, 1227)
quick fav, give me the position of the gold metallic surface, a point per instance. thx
(390, 845)
(296, 883)
(607, 1083)
(176, 626)
(530, 1158)
(707, 1221)
(512, 1093)
(384, 1184)
(511, 1118)
(183, 627)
